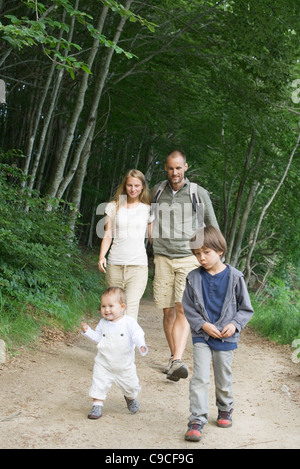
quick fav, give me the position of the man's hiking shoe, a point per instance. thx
(132, 405)
(194, 432)
(168, 366)
(224, 418)
(96, 412)
(177, 370)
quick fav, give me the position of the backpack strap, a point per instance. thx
(159, 191)
(195, 200)
(194, 195)
(198, 206)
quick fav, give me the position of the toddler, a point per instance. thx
(116, 336)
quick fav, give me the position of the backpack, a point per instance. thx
(193, 195)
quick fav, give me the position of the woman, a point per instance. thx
(127, 219)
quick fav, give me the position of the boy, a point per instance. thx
(217, 306)
(115, 335)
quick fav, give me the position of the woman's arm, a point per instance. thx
(105, 244)
(150, 228)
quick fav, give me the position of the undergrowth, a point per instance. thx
(277, 311)
(45, 280)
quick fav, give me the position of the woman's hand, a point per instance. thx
(102, 264)
(84, 326)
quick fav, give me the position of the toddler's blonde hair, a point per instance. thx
(118, 292)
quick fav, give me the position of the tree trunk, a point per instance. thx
(78, 181)
(226, 202)
(92, 224)
(37, 119)
(252, 247)
(239, 199)
(114, 183)
(34, 111)
(59, 173)
(240, 235)
(152, 155)
(90, 127)
(46, 124)
(44, 163)
(53, 100)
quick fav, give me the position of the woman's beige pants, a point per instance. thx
(133, 279)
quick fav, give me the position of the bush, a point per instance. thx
(277, 313)
(43, 276)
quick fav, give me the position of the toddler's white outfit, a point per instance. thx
(115, 361)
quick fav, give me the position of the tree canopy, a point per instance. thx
(94, 88)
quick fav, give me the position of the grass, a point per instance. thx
(22, 321)
(277, 313)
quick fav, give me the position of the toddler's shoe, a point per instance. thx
(194, 432)
(224, 419)
(177, 370)
(132, 405)
(96, 412)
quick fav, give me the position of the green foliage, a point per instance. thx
(42, 273)
(277, 313)
(46, 27)
(133, 18)
(25, 32)
(207, 79)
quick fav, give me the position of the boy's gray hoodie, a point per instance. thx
(237, 308)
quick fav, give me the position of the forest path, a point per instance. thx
(44, 398)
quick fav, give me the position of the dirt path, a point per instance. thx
(44, 399)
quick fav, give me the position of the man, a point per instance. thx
(174, 224)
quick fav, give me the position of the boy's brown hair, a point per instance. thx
(209, 237)
(119, 292)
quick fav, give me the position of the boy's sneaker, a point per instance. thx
(96, 412)
(224, 419)
(132, 405)
(194, 432)
(177, 370)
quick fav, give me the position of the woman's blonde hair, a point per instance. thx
(144, 195)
